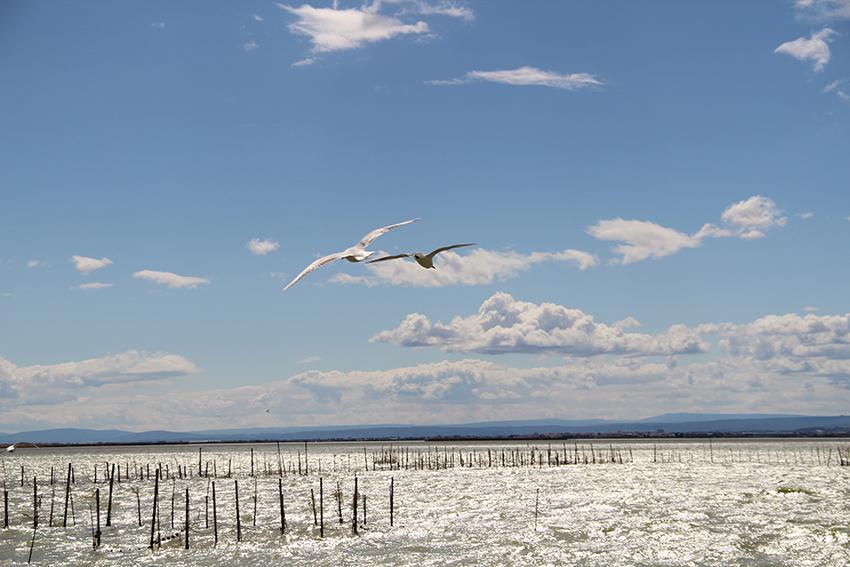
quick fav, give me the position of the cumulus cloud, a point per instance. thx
(93, 286)
(752, 217)
(527, 76)
(814, 49)
(334, 29)
(170, 279)
(791, 336)
(262, 247)
(505, 325)
(34, 264)
(52, 383)
(642, 240)
(86, 265)
(479, 267)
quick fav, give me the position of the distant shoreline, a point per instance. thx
(466, 439)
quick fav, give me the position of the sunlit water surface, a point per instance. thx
(753, 502)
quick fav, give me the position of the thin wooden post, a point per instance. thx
(5, 508)
(186, 537)
(282, 510)
(97, 509)
(313, 504)
(67, 496)
(392, 495)
(321, 509)
(215, 518)
(34, 503)
(109, 506)
(354, 508)
(252, 461)
(238, 519)
(154, 508)
(254, 519)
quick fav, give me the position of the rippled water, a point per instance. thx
(765, 502)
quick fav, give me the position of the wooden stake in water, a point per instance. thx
(238, 520)
(67, 496)
(215, 518)
(97, 508)
(536, 507)
(282, 510)
(392, 486)
(153, 513)
(321, 509)
(186, 537)
(354, 507)
(109, 505)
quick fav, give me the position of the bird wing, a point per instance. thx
(385, 258)
(444, 248)
(372, 236)
(315, 265)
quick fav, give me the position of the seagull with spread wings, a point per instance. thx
(356, 253)
(424, 260)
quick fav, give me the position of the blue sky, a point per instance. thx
(164, 136)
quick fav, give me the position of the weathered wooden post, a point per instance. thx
(97, 509)
(215, 518)
(282, 510)
(354, 507)
(109, 505)
(67, 496)
(392, 495)
(154, 510)
(238, 519)
(321, 509)
(186, 538)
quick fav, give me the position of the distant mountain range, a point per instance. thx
(667, 424)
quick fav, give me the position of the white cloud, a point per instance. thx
(641, 240)
(158, 25)
(35, 264)
(7, 294)
(304, 62)
(332, 29)
(93, 286)
(835, 87)
(86, 265)
(751, 217)
(628, 323)
(527, 76)
(310, 360)
(258, 18)
(170, 279)
(479, 267)
(51, 383)
(791, 336)
(807, 215)
(505, 325)
(250, 45)
(824, 10)
(438, 8)
(814, 49)
(261, 247)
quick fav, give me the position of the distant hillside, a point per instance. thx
(678, 424)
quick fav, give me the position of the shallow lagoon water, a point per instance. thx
(671, 502)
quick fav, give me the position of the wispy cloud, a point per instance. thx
(807, 215)
(641, 240)
(814, 49)
(250, 45)
(86, 265)
(823, 10)
(527, 76)
(93, 286)
(258, 18)
(310, 360)
(836, 87)
(438, 8)
(262, 246)
(171, 279)
(479, 267)
(35, 264)
(158, 25)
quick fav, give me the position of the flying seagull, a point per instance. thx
(356, 253)
(424, 260)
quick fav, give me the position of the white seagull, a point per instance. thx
(424, 260)
(356, 253)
